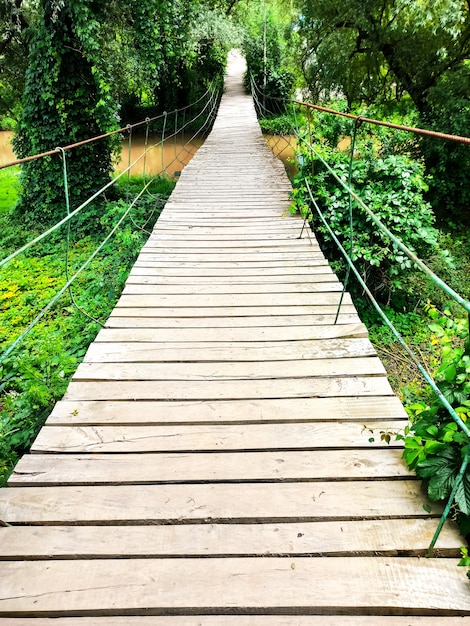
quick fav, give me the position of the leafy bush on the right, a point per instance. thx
(393, 188)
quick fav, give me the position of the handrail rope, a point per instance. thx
(61, 292)
(67, 218)
(428, 378)
(79, 208)
(129, 151)
(99, 137)
(209, 119)
(461, 301)
(409, 129)
(163, 142)
(351, 227)
(410, 352)
(409, 253)
(214, 102)
(146, 148)
(69, 281)
(262, 105)
(263, 111)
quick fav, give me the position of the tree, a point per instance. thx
(67, 99)
(13, 56)
(418, 41)
(265, 45)
(383, 49)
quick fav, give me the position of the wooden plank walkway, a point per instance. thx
(212, 463)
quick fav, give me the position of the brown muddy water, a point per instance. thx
(171, 157)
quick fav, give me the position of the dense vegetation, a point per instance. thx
(37, 373)
(74, 68)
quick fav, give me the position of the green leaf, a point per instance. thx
(450, 373)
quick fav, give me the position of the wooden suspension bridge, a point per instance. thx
(217, 459)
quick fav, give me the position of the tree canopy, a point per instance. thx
(381, 48)
(384, 50)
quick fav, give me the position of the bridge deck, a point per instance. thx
(209, 463)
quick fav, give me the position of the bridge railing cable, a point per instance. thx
(382, 228)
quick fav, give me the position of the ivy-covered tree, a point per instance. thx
(67, 99)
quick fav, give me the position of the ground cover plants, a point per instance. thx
(36, 374)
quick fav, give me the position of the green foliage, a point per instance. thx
(407, 323)
(448, 163)
(382, 48)
(37, 373)
(416, 53)
(8, 188)
(13, 60)
(435, 446)
(392, 187)
(275, 81)
(465, 560)
(278, 125)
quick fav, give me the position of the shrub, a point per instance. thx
(434, 444)
(393, 188)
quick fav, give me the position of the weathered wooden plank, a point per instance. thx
(89, 412)
(195, 239)
(244, 273)
(254, 215)
(240, 245)
(251, 300)
(146, 321)
(146, 276)
(383, 537)
(241, 620)
(271, 333)
(225, 256)
(149, 288)
(177, 503)
(229, 390)
(152, 352)
(166, 224)
(308, 585)
(231, 311)
(135, 468)
(293, 436)
(360, 366)
(310, 264)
